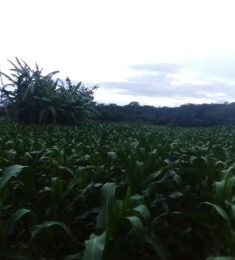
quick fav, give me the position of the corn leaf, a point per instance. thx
(220, 211)
(10, 172)
(137, 226)
(37, 229)
(19, 214)
(94, 247)
(107, 198)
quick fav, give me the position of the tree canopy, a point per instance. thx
(33, 98)
(185, 115)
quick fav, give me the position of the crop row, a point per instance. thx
(116, 192)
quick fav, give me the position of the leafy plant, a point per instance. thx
(101, 191)
(32, 98)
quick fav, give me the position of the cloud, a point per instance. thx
(160, 67)
(162, 81)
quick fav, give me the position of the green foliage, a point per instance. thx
(107, 198)
(187, 115)
(9, 173)
(37, 229)
(32, 98)
(95, 247)
(116, 192)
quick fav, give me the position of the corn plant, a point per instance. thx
(116, 191)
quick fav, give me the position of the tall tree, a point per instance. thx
(31, 97)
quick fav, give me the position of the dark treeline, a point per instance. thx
(31, 97)
(185, 115)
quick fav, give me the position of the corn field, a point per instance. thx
(116, 191)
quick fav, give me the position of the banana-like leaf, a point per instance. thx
(94, 247)
(45, 99)
(37, 229)
(17, 69)
(8, 77)
(53, 112)
(41, 115)
(51, 74)
(27, 93)
(107, 198)
(21, 66)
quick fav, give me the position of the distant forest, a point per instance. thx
(35, 98)
(185, 115)
(189, 115)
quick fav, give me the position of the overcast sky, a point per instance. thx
(156, 52)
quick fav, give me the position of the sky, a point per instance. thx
(155, 52)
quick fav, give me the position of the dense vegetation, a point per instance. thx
(100, 191)
(185, 115)
(30, 97)
(33, 98)
(116, 192)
